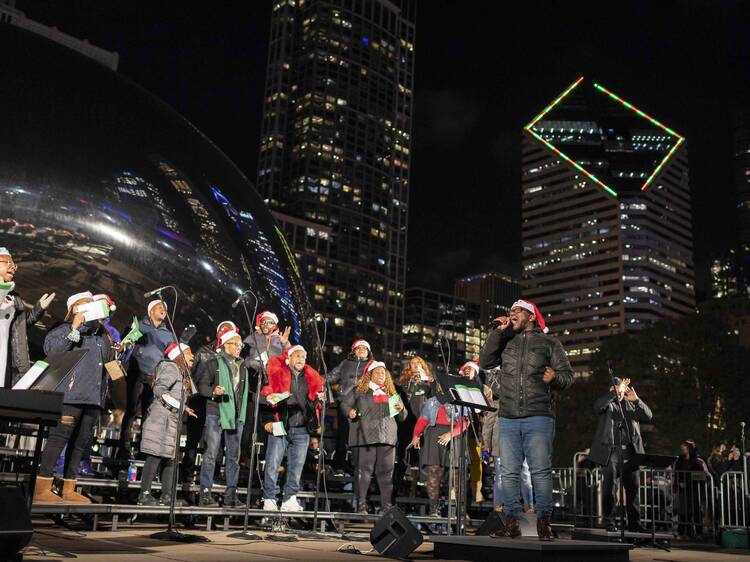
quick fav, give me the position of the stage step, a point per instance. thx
(525, 549)
(593, 534)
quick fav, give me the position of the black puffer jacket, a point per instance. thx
(517, 379)
(373, 424)
(347, 373)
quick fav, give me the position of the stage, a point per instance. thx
(52, 544)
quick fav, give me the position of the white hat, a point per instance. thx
(372, 365)
(361, 342)
(153, 303)
(173, 351)
(4, 251)
(294, 349)
(228, 335)
(78, 296)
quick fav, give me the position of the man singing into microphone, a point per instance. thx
(528, 366)
(604, 449)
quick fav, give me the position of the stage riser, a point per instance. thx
(484, 554)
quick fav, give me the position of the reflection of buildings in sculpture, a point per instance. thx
(430, 316)
(130, 184)
(606, 219)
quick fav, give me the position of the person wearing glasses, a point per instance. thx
(223, 381)
(15, 318)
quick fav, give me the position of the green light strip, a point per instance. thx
(636, 110)
(554, 103)
(662, 163)
(573, 163)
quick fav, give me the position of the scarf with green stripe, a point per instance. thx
(227, 406)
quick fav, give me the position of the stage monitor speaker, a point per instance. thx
(15, 522)
(394, 536)
(494, 521)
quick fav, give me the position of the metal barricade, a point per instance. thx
(656, 498)
(732, 499)
(693, 503)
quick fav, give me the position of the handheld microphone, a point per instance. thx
(241, 298)
(159, 290)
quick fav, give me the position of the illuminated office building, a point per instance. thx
(335, 155)
(606, 219)
(493, 292)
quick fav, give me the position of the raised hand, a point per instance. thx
(284, 336)
(46, 299)
(502, 322)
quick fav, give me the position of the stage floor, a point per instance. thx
(54, 544)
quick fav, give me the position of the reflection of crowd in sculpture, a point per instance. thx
(521, 366)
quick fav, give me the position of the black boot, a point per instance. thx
(230, 497)
(166, 499)
(510, 530)
(145, 498)
(206, 499)
(544, 529)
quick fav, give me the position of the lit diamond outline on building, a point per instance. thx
(598, 87)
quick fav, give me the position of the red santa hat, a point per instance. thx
(531, 307)
(372, 364)
(173, 350)
(293, 349)
(227, 335)
(362, 342)
(265, 314)
(103, 297)
(226, 325)
(473, 364)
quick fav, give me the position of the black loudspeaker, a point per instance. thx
(494, 521)
(394, 536)
(15, 522)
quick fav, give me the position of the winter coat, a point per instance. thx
(347, 373)
(373, 425)
(491, 431)
(207, 378)
(604, 437)
(160, 427)
(149, 349)
(280, 380)
(518, 380)
(257, 344)
(18, 349)
(88, 383)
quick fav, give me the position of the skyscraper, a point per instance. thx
(441, 328)
(741, 149)
(606, 219)
(493, 292)
(335, 152)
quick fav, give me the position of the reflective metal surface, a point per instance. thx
(103, 187)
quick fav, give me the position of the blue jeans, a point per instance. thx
(295, 443)
(530, 438)
(212, 439)
(527, 492)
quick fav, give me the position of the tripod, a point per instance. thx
(172, 534)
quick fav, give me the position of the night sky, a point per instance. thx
(480, 76)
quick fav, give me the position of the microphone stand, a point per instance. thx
(245, 534)
(620, 461)
(172, 534)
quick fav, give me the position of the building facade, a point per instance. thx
(335, 152)
(493, 292)
(741, 161)
(441, 328)
(606, 219)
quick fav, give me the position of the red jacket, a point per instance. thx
(280, 380)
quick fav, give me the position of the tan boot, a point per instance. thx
(43, 491)
(476, 489)
(69, 494)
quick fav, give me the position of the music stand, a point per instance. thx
(59, 370)
(465, 393)
(652, 462)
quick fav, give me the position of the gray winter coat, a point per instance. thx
(373, 425)
(491, 431)
(18, 352)
(160, 427)
(257, 344)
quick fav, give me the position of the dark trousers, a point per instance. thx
(139, 393)
(74, 430)
(630, 481)
(342, 439)
(193, 438)
(377, 460)
(150, 467)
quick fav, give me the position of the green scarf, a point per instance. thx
(227, 407)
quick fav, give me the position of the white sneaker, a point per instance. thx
(291, 504)
(270, 505)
